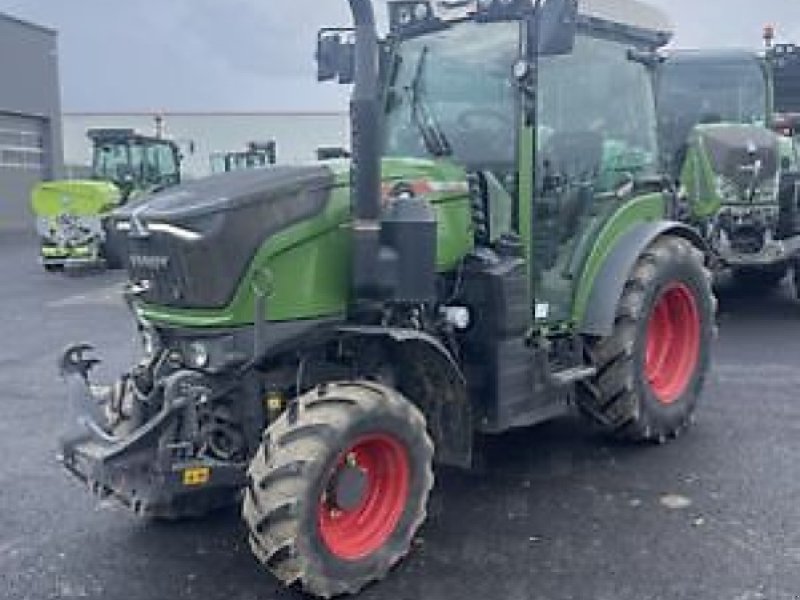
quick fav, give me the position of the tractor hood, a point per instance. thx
(199, 244)
(734, 150)
(79, 197)
(238, 192)
(192, 243)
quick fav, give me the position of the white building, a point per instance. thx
(298, 135)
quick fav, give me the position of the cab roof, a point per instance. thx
(627, 19)
(122, 136)
(716, 55)
(633, 13)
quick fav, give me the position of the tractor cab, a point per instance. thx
(257, 156)
(134, 162)
(547, 156)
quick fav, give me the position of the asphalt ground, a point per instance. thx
(557, 513)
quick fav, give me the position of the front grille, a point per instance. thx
(153, 262)
(228, 218)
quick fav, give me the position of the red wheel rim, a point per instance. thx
(673, 343)
(358, 532)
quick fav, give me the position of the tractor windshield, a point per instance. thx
(697, 89)
(112, 161)
(453, 95)
(159, 161)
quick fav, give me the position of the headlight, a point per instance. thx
(766, 194)
(458, 317)
(727, 190)
(197, 355)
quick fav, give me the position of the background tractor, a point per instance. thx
(72, 215)
(256, 156)
(737, 175)
(500, 249)
(332, 153)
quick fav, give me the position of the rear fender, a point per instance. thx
(608, 285)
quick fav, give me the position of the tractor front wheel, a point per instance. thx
(112, 251)
(651, 370)
(339, 487)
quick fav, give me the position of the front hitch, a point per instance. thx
(150, 465)
(74, 361)
(86, 402)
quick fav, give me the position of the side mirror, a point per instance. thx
(557, 27)
(336, 55)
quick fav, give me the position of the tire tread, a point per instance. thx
(280, 473)
(610, 399)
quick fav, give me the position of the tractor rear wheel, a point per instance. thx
(339, 487)
(651, 369)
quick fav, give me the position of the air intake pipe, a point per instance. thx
(365, 184)
(394, 253)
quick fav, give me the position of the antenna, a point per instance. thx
(769, 36)
(159, 121)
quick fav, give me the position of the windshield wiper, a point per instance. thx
(421, 114)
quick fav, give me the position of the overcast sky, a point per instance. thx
(238, 55)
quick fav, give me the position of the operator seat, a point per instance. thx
(575, 159)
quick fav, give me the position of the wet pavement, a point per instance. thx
(557, 513)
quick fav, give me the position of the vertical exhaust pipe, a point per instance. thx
(365, 184)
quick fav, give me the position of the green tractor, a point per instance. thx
(72, 215)
(257, 156)
(500, 250)
(736, 174)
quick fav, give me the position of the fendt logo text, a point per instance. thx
(152, 263)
